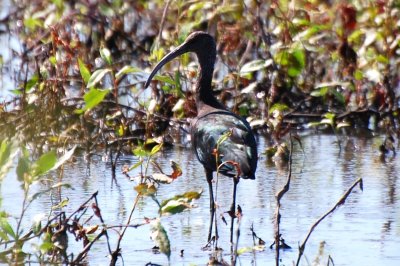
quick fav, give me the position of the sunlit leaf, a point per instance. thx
(281, 107)
(165, 79)
(45, 163)
(23, 167)
(45, 247)
(31, 82)
(255, 65)
(382, 59)
(106, 55)
(179, 105)
(160, 237)
(140, 152)
(6, 227)
(358, 75)
(179, 202)
(297, 63)
(127, 70)
(91, 229)
(97, 76)
(175, 206)
(94, 97)
(250, 88)
(64, 158)
(139, 163)
(162, 178)
(60, 205)
(85, 73)
(343, 124)
(338, 96)
(33, 23)
(156, 149)
(326, 121)
(146, 189)
(331, 84)
(8, 151)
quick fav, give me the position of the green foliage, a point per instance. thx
(93, 98)
(294, 59)
(85, 72)
(97, 76)
(160, 237)
(7, 154)
(27, 171)
(179, 203)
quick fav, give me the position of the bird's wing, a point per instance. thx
(225, 136)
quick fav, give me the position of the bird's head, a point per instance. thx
(199, 42)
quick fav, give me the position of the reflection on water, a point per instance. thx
(364, 231)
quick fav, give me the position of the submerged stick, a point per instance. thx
(278, 196)
(341, 201)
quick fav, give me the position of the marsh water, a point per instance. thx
(363, 231)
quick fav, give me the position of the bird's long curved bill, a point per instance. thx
(181, 49)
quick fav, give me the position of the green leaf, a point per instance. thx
(106, 55)
(6, 227)
(97, 76)
(160, 237)
(185, 198)
(175, 206)
(31, 82)
(94, 97)
(156, 149)
(146, 189)
(64, 158)
(298, 61)
(278, 107)
(45, 163)
(165, 79)
(255, 65)
(8, 150)
(85, 73)
(140, 152)
(61, 205)
(127, 70)
(33, 23)
(23, 168)
(136, 165)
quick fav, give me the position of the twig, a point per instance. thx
(163, 20)
(115, 254)
(77, 260)
(341, 201)
(278, 196)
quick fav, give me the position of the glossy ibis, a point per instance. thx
(222, 140)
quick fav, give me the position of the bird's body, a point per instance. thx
(222, 140)
(236, 142)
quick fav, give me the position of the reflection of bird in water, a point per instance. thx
(222, 140)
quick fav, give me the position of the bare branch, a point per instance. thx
(341, 201)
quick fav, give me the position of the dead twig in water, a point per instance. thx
(278, 196)
(341, 201)
(116, 253)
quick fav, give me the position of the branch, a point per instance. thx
(340, 202)
(278, 196)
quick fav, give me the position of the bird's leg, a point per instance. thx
(232, 211)
(212, 203)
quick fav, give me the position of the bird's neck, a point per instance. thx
(204, 95)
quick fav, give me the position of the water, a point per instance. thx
(363, 231)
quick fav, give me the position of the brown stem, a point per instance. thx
(341, 201)
(278, 196)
